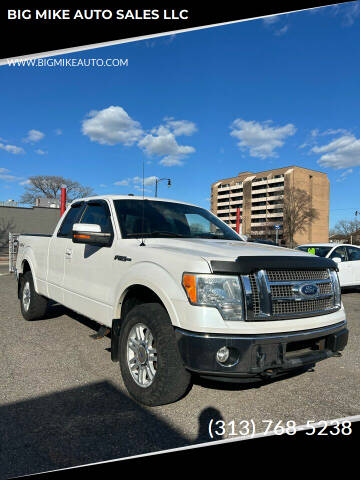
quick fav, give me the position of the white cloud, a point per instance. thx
(344, 175)
(330, 131)
(165, 145)
(161, 141)
(342, 152)
(336, 144)
(9, 178)
(271, 23)
(261, 139)
(5, 175)
(180, 127)
(347, 12)
(41, 152)
(25, 182)
(147, 180)
(271, 20)
(136, 181)
(58, 131)
(34, 136)
(139, 188)
(160, 41)
(169, 39)
(122, 183)
(351, 13)
(12, 149)
(282, 30)
(315, 132)
(312, 139)
(111, 126)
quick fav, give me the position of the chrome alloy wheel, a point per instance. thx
(26, 296)
(141, 355)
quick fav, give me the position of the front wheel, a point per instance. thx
(150, 362)
(33, 306)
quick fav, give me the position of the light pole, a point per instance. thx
(157, 180)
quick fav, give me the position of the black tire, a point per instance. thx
(171, 380)
(37, 306)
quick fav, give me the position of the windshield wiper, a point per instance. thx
(215, 236)
(156, 234)
(208, 235)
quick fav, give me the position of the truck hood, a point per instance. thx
(225, 250)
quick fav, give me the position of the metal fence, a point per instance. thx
(13, 249)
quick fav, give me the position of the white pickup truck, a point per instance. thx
(183, 294)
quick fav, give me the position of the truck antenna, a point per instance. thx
(142, 244)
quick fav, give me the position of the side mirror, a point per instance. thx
(90, 234)
(337, 259)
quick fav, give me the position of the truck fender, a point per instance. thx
(154, 277)
(27, 258)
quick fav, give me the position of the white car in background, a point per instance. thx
(346, 256)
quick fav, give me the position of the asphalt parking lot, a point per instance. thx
(63, 402)
(4, 268)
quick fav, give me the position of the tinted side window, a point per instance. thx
(98, 214)
(353, 253)
(198, 225)
(71, 217)
(339, 252)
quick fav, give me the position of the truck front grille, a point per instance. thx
(292, 306)
(278, 291)
(297, 275)
(255, 295)
(279, 294)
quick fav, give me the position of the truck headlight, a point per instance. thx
(219, 291)
(336, 286)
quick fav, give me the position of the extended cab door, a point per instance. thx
(345, 275)
(353, 254)
(88, 268)
(59, 248)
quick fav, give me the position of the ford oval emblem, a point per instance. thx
(309, 290)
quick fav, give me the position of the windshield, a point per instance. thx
(315, 250)
(148, 218)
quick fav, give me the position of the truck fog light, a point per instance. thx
(222, 354)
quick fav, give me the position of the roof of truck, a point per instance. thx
(130, 197)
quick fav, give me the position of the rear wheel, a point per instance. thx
(150, 362)
(33, 306)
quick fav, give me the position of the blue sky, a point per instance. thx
(197, 107)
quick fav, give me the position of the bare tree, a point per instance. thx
(298, 213)
(346, 227)
(50, 187)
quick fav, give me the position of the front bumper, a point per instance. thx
(259, 356)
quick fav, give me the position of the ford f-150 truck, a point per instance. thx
(183, 294)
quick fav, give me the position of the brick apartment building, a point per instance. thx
(260, 197)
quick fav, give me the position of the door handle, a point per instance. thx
(68, 252)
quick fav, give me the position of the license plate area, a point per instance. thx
(302, 347)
